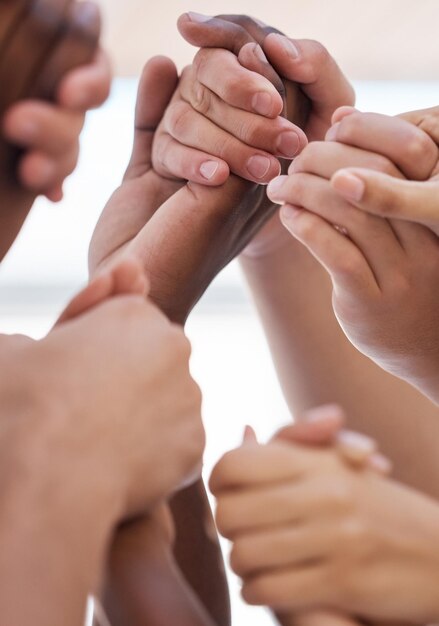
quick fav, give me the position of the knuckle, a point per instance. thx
(430, 125)
(179, 119)
(202, 98)
(319, 55)
(340, 495)
(304, 162)
(384, 165)
(420, 148)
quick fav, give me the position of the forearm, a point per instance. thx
(143, 584)
(317, 364)
(51, 553)
(198, 552)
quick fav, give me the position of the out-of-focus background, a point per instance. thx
(389, 48)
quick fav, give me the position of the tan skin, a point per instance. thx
(386, 268)
(317, 363)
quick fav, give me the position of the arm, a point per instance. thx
(315, 361)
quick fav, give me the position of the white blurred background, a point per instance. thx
(389, 48)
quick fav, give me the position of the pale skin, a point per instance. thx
(315, 361)
(310, 532)
(100, 450)
(386, 269)
(66, 499)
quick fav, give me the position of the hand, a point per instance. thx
(127, 346)
(210, 229)
(322, 86)
(383, 270)
(49, 133)
(383, 195)
(309, 532)
(224, 117)
(183, 234)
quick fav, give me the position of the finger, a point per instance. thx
(205, 31)
(174, 160)
(296, 104)
(56, 194)
(290, 589)
(341, 258)
(244, 36)
(426, 120)
(355, 447)
(42, 173)
(259, 465)
(309, 64)
(317, 618)
(244, 511)
(226, 32)
(277, 548)
(381, 464)
(43, 127)
(408, 147)
(249, 435)
(373, 237)
(238, 87)
(382, 195)
(124, 278)
(324, 158)
(277, 136)
(317, 427)
(195, 131)
(157, 85)
(87, 87)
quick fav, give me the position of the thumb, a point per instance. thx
(318, 427)
(127, 277)
(390, 197)
(156, 88)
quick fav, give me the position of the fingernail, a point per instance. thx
(288, 46)
(262, 103)
(208, 169)
(198, 17)
(258, 166)
(356, 442)
(381, 464)
(324, 413)
(259, 53)
(349, 186)
(275, 187)
(288, 144)
(331, 135)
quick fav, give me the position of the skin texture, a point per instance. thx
(308, 532)
(64, 495)
(385, 268)
(49, 133)
(179, 273)
(315, 361)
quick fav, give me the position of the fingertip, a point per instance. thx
(55, 195)
(343, 112)
(213, 173)
(349, 185)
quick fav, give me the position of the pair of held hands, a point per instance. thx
(374, 178)
(153, 198)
